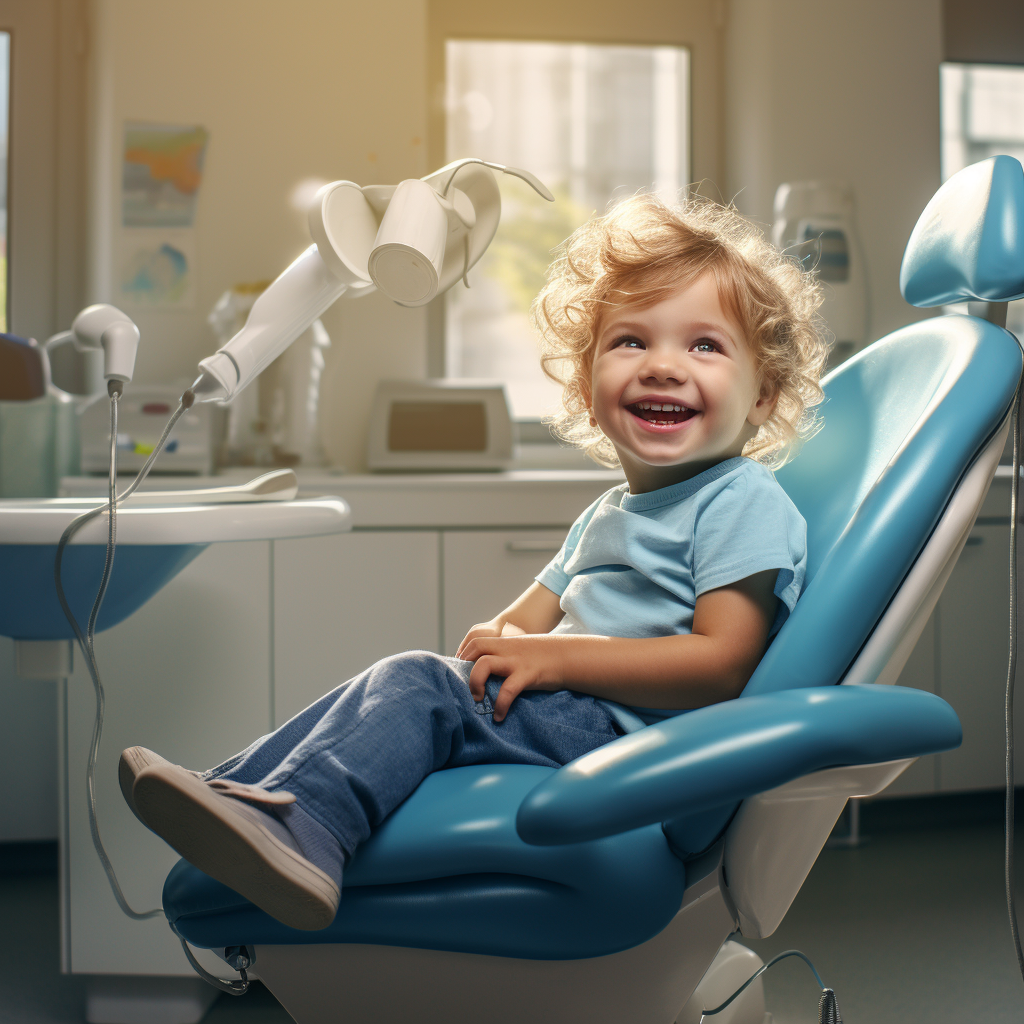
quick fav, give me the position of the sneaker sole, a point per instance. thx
(132, 762)
(212, 835)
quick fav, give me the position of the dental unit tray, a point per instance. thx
(278, 485)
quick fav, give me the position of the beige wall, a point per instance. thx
(311, 88)
(835, 90)
(846, 91)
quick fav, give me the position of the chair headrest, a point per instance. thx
(968, 244)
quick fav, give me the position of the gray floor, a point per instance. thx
(908, 928)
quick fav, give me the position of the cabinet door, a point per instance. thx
(972, 624)
(343, 602)
(486, 570)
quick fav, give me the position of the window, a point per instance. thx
(595, 123)
(982, 116)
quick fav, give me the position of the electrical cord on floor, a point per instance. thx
(1011, 673)
(828, 1008)
(86, 640)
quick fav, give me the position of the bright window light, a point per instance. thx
(983, 116)
(595, 124)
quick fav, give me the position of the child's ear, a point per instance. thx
(763, 406)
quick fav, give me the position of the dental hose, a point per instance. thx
(1011, 673)
(86, 640)
(828, 1008)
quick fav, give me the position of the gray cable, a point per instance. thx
(757, 974)
(1011, 672)
(235, 988)
(86, 641)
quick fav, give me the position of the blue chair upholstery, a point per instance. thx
(969, 241)
(525, 862)
(872, 488)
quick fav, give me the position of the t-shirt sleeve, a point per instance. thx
(553, 575)
(747, 527)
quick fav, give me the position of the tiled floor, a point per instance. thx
(908, 928)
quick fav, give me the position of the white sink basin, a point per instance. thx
(154, 543)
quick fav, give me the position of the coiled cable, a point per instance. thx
(86, 640)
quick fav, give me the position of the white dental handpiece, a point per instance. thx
(302, 293)
(107, 329)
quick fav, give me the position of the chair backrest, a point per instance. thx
(903, 421)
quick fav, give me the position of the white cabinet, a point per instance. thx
(343, 602)
(188, 675)
(972, 622)
(484, 571)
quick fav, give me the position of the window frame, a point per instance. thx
(698, 26)
(45, 174)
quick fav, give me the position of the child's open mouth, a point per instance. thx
(661, 414)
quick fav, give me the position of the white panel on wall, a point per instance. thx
(283, 92)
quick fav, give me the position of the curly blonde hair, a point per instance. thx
(641, 251)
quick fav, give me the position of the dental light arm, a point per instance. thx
(412, 241)
(304, 291)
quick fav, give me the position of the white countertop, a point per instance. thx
(43, 520)
(523, 498)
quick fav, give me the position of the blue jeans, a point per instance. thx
(353, 756)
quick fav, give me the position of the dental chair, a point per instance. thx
(606, 891)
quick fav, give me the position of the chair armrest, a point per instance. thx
(724, 753)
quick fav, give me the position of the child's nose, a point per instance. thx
(662, 366)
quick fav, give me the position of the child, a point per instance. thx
(687, 348)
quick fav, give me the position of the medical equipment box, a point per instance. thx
(440, 425)
(143, 412)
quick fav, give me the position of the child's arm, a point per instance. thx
(711, 664)
(535, 611)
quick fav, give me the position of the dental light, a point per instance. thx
(412, 241)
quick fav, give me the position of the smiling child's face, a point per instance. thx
(674, 386)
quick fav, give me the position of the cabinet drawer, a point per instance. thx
(343, 602)
(485, 571)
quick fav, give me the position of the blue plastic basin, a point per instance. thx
(29, 609)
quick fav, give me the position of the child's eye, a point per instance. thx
(629, 341)
(705, 345)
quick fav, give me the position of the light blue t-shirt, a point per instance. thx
(633, 565)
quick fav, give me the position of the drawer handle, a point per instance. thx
(973, 542)
(533, 546)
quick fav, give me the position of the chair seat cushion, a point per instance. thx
(447, 871)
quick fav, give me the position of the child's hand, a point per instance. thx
(528, 662)
(493, 628)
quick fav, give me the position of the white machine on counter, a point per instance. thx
(452, 425)
(144, 411)
(815, 222)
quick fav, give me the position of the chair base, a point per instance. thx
(363, 984)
